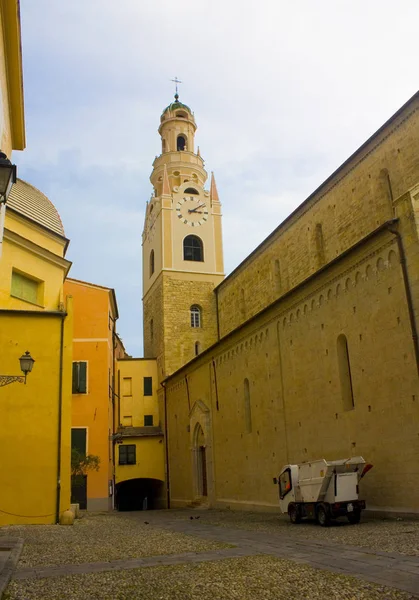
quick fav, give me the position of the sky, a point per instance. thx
(283, 92)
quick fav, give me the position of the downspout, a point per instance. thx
(60, 412)
(166, 440)
(113, 413)
(216, 312)
(216, 386)
(408, 292)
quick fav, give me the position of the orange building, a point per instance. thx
(96, 348)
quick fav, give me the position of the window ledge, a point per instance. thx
(27, 301)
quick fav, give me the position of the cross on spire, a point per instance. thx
(176, 81)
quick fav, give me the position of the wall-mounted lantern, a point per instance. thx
(26, 364)
(7, 176)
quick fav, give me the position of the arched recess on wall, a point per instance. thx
(181, 143)
(199, 447)
(151, 263)
(247, 407)
(193, 248)
(345, 373)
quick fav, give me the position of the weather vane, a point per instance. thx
(176, 81)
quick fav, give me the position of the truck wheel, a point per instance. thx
(323, 518)
(294, 514)
(354, 517)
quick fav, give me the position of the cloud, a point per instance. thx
(283, 93)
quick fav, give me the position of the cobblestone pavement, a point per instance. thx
(231, 555)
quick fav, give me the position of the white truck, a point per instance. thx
(322, 489)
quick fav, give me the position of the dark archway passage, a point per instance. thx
(140, 494)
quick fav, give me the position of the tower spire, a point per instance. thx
(166, 184)
(213, 189)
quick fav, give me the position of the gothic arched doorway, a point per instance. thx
(201, 480)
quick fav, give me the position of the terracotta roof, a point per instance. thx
(30, 202)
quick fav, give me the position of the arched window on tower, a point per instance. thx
(345, 373)
(151, 263)
(195, 316)
(181, 143)
(193, 248)
(247, 407)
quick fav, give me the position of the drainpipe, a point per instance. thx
(60, 412)
(408, 292)
(216, 386)
(166, 444)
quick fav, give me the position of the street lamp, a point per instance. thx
(7, 176)
(26, 364)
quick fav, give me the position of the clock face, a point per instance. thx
(192, 211)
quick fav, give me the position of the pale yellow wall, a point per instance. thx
(12, 127)
(31, 231)
(354, 202)
(150, 460)
(42, 265)
(136, 405)
(30, 413)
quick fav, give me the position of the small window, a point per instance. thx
(151, 263)
(25, 288)
(197, 348)
(285, 483)
(247, 407)
(148, 420)
(79, 439)
(195, 316)
(127, 386)
(151, 330)
(181, 143)
(191, 191)
(127, 455)
(80, 377)
(181, 114)
(193, 248)
(148, 386)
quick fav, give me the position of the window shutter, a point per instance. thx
(131, 454)
(82, 377)
(78, 439)
(75, 378)
(148, 420)
(148, 386)
(122, 455)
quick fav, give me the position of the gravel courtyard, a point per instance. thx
(214, 555)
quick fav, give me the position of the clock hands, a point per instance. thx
(192, 210)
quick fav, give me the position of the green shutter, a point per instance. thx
(148, 386)
(75, 377)
(131, 458)
(148, 420)
(24, 288)
(122, 455)
(82, 377)
(78, 439)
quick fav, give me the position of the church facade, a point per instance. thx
(309, 348)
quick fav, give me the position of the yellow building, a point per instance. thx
(139, 451)
(35, 317)
(309, 348)
(96, 347)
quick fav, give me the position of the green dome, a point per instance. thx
(175, 105)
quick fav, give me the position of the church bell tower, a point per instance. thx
(182, 248)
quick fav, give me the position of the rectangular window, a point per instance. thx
(148, 386)
(127, 386)
(80, 377)
(127, 455)
(148, 420)
(25, 288)
(79, 439)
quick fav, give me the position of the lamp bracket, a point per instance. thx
(6, 379)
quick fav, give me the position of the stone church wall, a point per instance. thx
(351, 203)
(297, 412)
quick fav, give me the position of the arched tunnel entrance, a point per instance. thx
(140, 494)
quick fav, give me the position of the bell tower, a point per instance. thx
(182, 248)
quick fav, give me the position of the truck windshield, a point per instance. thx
(284, 483)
